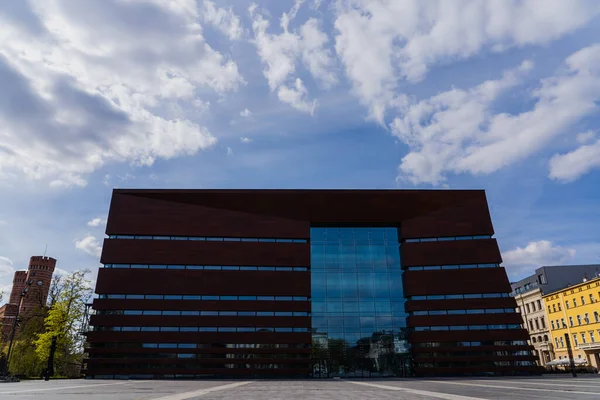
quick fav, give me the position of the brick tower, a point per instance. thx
(40, 272)
(19, 281)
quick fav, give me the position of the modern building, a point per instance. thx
(574, 314)
(29, 292)
(529, 292)
(303, 283)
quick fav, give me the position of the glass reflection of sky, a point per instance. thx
(357, 293)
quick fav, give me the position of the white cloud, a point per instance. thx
(456, 131)
(224, 20)
(315, 56)
(585, 137)
(90, 245)
(245, 113)
(245, 139)
(297, 97)
(439, 129)
(537, 254)
(96, 222)
(61, 272)
(572, 165)
(383, 42)
(229, 151)
(84, 86)
(6, 268)
(280, 53)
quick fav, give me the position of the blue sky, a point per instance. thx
(499, 95)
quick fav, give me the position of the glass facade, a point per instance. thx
(358, 313)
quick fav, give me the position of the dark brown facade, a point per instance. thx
(224, 283)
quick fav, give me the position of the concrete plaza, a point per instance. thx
(547, 387)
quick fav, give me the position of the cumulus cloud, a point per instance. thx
(280, 53)
(245, 139)
(229, 151)
(383, 42)
(572, 165)
(585, 137)
(535, 255)
(96, 222)
(6, 268)
(456, 131)
(90, 245)
(245, 113)
(439, 129)
(296, 96)
(84, 86)
(224, 20)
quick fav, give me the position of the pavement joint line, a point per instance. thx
(66, 387)
(542, 383)
(201, 392)
(438, 395)
(513, 387)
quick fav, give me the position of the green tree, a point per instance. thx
(64, 322)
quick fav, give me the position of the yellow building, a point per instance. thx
(575, 311)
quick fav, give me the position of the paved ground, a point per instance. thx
(550, 387)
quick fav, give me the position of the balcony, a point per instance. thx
(589, 346)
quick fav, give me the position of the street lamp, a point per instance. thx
(14, 327)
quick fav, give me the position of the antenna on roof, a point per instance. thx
(46, 249)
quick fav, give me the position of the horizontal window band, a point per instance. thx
(446, 238)
(473, 352)
(197, 329)
(480, 364)
(463, 312)
(460, 296)
(209, 238)
(200, 297)
(188, 313)
(471, 343)
(467, 327)
(448, 267)
(226, 367)
(205, 267)
(210, 356)
(176, 345)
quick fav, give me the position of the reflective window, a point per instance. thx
(207, 267)
(358, 316)
(205, 238)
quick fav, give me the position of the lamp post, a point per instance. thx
(14, 327)
(570, 353)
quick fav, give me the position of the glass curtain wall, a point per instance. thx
(358, 315)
